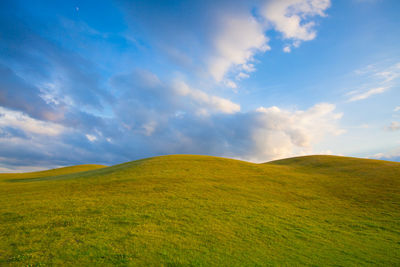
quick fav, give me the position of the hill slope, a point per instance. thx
(202, 211)
(53, 172)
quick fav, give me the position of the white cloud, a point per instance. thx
(389, 74)
(365, 95)
(378, 156)
(149, 127)
(242, 76)
(381, 78)
(91, 137)
(393, 154)
(292, 17)
(393, 126)
(230, 84)
(259, 135)
(280, 133)
(239, 38)
(287, 49)
(21, 121)
(396, 109)
(20, 169)
(214, 103)
(248, 67)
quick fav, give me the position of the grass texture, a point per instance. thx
(186, 210)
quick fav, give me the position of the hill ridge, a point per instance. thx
(284, 161)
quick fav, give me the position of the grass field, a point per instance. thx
(203, 211)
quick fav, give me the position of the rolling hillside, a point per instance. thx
(51, 173)
(203, 211)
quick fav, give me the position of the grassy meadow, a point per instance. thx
(186, 210)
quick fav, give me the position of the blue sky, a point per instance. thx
(113, 81)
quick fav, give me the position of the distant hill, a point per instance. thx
(53, 172)
(187, 210)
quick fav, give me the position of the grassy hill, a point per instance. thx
(51, 173)
(202, 211)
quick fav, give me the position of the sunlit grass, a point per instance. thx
(202, 211)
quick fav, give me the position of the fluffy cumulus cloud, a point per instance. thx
(292, 18)
(154, 117)
(236, 42)
(281, 133)
(142, 131)
(240, 36)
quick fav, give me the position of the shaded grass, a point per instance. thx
(202, 211)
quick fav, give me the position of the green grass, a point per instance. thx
(203, 211)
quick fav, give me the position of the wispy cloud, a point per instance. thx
(20, 121)
(381, 79)
(208, 102)
(359, 96)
